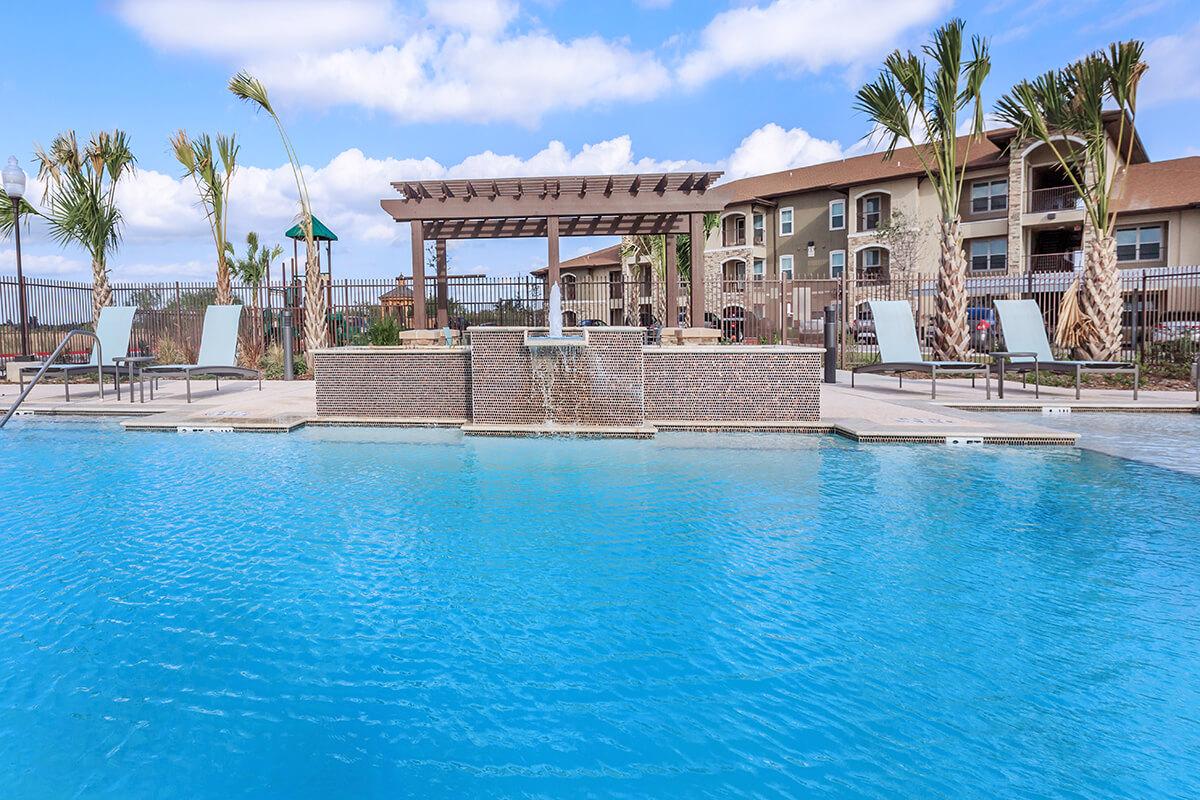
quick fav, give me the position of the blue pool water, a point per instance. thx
(366, 613)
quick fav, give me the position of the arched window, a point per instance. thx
(873, 210)
(872, 263)
(569, 287)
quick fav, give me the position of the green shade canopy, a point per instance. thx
(320, 232)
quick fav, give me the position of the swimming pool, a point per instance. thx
(1170, 440)
(375, 613)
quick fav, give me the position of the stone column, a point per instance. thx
(418, 276)
(696, 226)
(671, 314)
(443, 288)
(1016, 206)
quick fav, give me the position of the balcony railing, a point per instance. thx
(1055, 198)
(733, 239)
(1055, 262)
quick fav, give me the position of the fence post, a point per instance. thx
(831, 354)
(843, 304)
(289, 368)
(1139, 312)
(179, 314)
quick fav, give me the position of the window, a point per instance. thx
(785, 222)
(872, 212)
(871, 262)
(760, 269)
(733, 231)
(837, 215)
(569, 287)
(1140, 244)
(760, 224)
(646, 276)
(616, 317)
(837, 263)
(989, 196)
(786, 271)
(734, 275)
(615, 285)
(989, 254)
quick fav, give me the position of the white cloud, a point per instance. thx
(460, 61)
(432, 77)
(479, 16)
(167, 238)
(238, 27)
(772, 149)
(802, 35)
(42, 264)
(1174, 63)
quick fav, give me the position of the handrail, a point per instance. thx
(50, 360)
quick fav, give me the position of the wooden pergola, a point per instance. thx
(666, 204)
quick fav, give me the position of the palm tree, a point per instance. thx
(1065, 110)
(246, 87)
(252, 268)
(212, 185)
(80, 204)
(653, 248)
(906, 102)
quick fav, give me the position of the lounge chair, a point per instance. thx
(218, 351)
(900, 353)
(1024, 331)
(112, 331)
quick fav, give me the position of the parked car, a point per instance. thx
(593, 323)
(983, 325)
(1175, 330)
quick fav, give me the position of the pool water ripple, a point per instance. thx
(377, 613)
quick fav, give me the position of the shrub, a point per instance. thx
(271, 364)
(383, 331)
(169, 351)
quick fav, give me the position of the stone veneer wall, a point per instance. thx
(398, 382)
(733, 384)
(598, 384)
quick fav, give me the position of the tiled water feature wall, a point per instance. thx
(607, 380)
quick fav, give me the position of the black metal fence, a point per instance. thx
(1161, 323)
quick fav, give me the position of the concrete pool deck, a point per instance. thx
(876, 410)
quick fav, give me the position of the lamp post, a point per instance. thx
(14, 187)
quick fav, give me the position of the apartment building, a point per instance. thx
(1020, 214)
(872, 219)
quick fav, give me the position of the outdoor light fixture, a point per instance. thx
(14, 187)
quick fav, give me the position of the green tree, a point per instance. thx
(211, 170)
(1065, 110)
(246, 87)
(922, 108)
(653, 248)
(80, 203)
(252, 268)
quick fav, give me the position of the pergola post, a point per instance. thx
(443, 288)
(552, 250)
(672, 290)
(418, 276)
(696, 227)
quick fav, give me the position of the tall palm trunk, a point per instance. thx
(951, 339)
(224, 286)
(1100, 300)
(315, 329)
(101, 290)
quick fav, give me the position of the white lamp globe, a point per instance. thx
(14, 179)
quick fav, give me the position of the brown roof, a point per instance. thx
(1160, 185)
(604, 257)
(850, 171)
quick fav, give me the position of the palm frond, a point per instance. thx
(246, 87)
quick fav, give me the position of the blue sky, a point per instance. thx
(379, 90)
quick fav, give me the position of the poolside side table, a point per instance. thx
(135, 365)
(1003, 357)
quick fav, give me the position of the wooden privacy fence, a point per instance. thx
(1160, 324)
